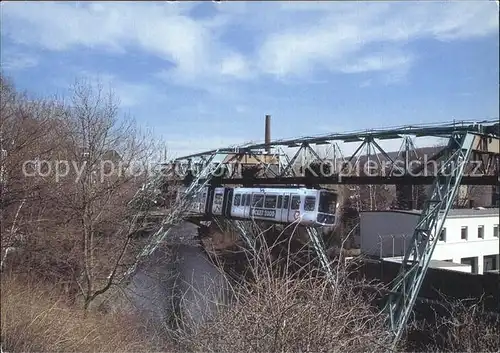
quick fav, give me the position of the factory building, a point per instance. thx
(469, 241)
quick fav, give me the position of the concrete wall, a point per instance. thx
(387, 234)
(439, 283)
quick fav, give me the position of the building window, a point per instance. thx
(464, 233)
(480, 232)
(442, 235)
(471, 261)
(490, 263)
(495, 230)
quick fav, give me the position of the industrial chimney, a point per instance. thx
(268, 133)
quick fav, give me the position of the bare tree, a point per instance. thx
(26, 139)
(69, 170)
(107, 158)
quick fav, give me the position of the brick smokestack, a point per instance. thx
(268, 133)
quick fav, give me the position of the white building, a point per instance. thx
(469, 237)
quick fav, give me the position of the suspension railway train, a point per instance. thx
(308, 207)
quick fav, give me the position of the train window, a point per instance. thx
(286, 199)
(237, 199)
(258, 201)
(310, 203)
(247, 202)
(327, 202)
(280, 201)
(270, 201)
(218, 198)
(295, 203)
(243, 199)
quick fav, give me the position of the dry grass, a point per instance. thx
(35, 319)
(465, 328)
(278, 315)
(271, 312)
(276, 312)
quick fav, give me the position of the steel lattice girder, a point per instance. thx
(390, 172)
(424, 240)
(358, 180)
(488, 127)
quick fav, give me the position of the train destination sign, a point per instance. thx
(260, 212)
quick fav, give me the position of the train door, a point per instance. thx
(256, 205)
(204, 201)
(228, 201)
(246, 201)
(217, 205)
(285, 206)
(279, 208)
(294, 208)
(270, 207)
(238, 205)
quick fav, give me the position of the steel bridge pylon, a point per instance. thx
(418, 255)
(247, 232)
(178, 210)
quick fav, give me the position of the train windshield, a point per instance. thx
(327, 202)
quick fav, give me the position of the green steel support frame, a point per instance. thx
(424, 240)
(178, 210)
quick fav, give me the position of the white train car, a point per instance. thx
(199, 204)
(309, 207)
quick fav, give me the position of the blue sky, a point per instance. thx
(203, 75)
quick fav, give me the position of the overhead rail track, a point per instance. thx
(436, 129)
(306, 167)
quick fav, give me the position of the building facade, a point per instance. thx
(469, 237)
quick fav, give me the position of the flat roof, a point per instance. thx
(453, 213)
(433, 263)
(442, 263)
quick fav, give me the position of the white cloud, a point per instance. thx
(235, 65)
(378, 62)
(349, 33)
(288, 39)
(14, 60)
(164, 30)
